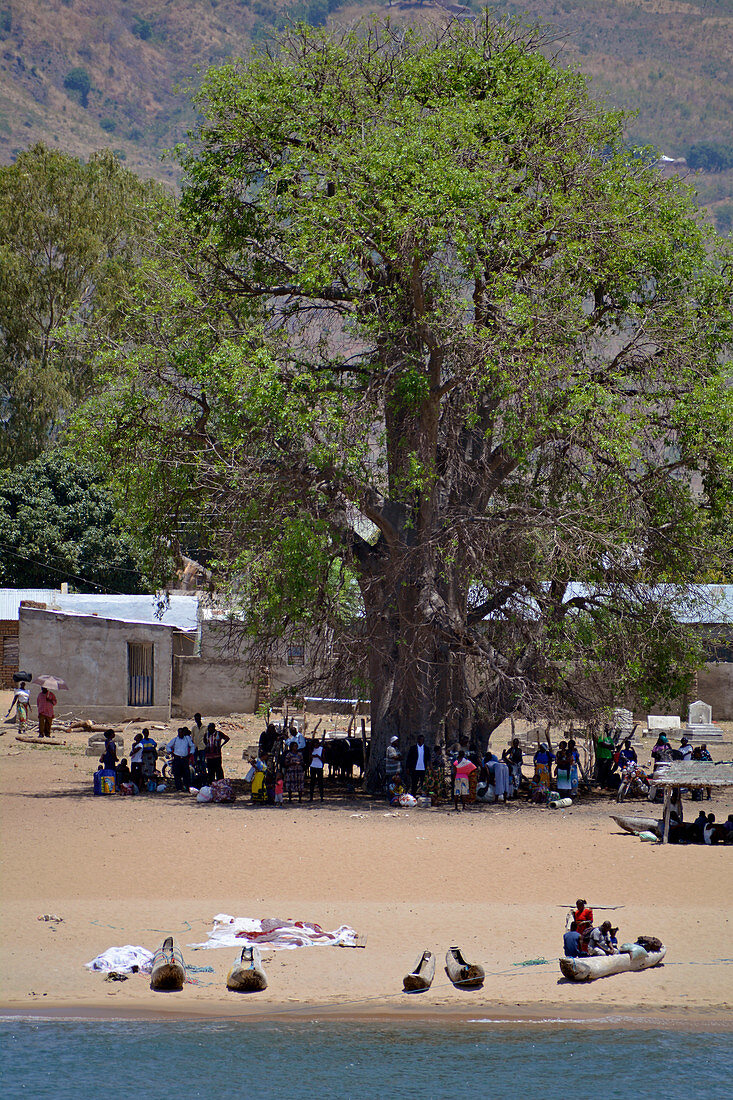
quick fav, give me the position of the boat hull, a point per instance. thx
(636, 825)
(463, 974)
(422, 974)
(169, 970)
(603, 966)
(247, 975)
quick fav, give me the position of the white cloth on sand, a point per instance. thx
(275, 934)
(122, 959)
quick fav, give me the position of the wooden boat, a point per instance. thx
(169, 970)
(637, 825)
(247, 975)
(422, 974)
(601, 966)
(461, 973)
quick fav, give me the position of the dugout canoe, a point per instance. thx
(169, 970)
(463, 974)
(247, 974)
(602, 966)
(422, 974)
(636, 825)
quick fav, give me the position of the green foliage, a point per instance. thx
(78, 80)
(423, 313)
(58, 522)
(108, 124)
(724, 217)
(69, 238)
(710, 156)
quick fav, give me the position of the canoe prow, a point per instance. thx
(463, 974)
(636, 825)
(247, 974)
(169, 970)
(422, 974)
(602, 966)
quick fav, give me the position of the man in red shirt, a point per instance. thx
(46, 702)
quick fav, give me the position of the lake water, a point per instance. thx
(87, 1059)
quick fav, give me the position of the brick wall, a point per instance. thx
(8, 652)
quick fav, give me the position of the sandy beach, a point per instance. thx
(495, 880)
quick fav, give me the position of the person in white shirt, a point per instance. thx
(181, 747)
(316, 766)
(685, 749)
(21, 702)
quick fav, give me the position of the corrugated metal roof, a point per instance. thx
(179, 610)
(10, 599)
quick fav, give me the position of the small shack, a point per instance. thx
(691, 775)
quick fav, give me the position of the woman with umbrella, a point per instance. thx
(47, 701)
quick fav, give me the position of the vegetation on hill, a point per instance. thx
(82, 74)
(69, 238)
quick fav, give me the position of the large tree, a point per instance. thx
(427, 330)
(70, 233)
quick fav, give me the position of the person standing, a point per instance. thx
(512, 757)
(214, 742)
(417, 763)
(108, 759)
(21, 702)
(198, 736)
(392, 759)
(316, 769)
(136, 761)
(46, 702)
(294, 772)
(181, 748)
(149, 760)
(604, 759)
(563, 762)
(462, 769)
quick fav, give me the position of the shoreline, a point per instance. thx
(598, 1016)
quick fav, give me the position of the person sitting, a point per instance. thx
(627, 754)
(662, 751)
(122, 773)
(599, 942)
(728, 827)
(571, 943)
(685, 749)
(395, 788)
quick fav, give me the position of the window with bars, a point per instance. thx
(139, 674)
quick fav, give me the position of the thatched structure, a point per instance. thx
(695, 773)
(691, 774)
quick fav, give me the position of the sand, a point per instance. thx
(494, 880)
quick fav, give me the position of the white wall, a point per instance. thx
(90, 654)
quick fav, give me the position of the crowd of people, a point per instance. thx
(194, 755)
(284, 763)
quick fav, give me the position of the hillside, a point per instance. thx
(81, 74)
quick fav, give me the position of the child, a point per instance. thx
(279, 788)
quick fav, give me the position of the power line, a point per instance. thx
(61, 572)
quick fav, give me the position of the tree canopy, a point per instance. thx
(59, 522)
(69, 235)
(435, 366)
